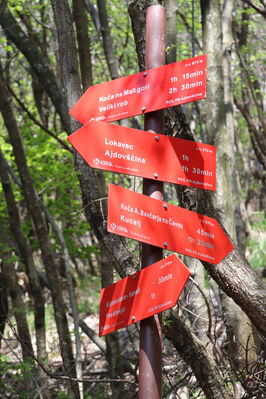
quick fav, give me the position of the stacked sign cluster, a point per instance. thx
(149, 155)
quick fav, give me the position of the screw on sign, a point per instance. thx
(140, 153)
(167, 226)
(158, 88)
(143, 294)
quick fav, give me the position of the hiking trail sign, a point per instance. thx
(151, 290)
(164, 225)
(145, 154)
(157, 88)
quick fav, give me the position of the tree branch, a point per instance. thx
(256, 8)
(24, 108)
(34, 57)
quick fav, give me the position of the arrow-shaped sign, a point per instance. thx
(143, 294)
(165, 225)
(139, 153)
(158, 88)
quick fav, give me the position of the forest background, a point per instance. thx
(55, 252)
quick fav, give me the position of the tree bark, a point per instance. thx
(137, 11)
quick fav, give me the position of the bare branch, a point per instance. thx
(64, 145)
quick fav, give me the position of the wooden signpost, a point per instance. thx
(147, 218)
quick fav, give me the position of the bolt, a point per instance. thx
(133, 318)
(165, 244)
(165, 206)
(145, 74)
(143, 109)
(157, 138)
(155, 175)
(134, 277)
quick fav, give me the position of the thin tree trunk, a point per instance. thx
(215, 111)
(194, 353)
(81, 23)
(3, 304)
(238, 325)
(199, 317)
(227, 16)
(37, 62)
(107, 41)
(34, 283)
(171, 30)
(10, 279)
(113, 354)
(35, 211)
(72, 299)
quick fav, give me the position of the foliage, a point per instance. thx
(57, 183)
(15, 376)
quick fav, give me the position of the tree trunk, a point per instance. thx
(237, 323)
(194, 291)
(196, 304)
(113, 354)
(193, 352)
(3, 305)
(215, 111)
(233, 274)
(35, 211)
(81, 23)
(107, 41)
(227, 16)
(10, 279)
(36, 291)
(37, 62)
(171, 30)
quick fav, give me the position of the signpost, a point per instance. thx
(153, 156)
(147, 218)
(143, 294)
(157, 88)
(165, 225)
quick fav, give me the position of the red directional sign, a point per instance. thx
(143, 294)
(157, 88)
(139, 153)
(165, 225)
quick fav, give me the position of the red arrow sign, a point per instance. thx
(139, 153)
(167, 226)
(157, 88)
(143, 294)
